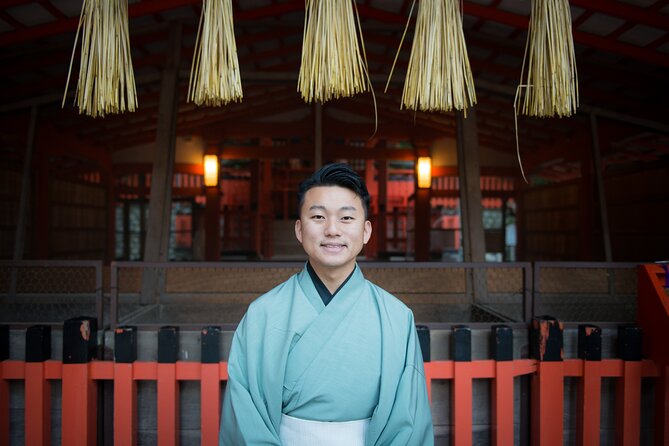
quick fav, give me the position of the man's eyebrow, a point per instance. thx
(321, 207)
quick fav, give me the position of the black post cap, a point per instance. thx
(38, 343)
(629, 342)
(502, 343)
(589, 342)
(546, 339)
(168, 345)
(462, 343)
(79, 339)
(4, 342)
(423, 332)
(210, 345)
(125, 344)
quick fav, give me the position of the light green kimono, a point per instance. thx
(358, 357)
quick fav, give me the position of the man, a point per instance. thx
(327, 358)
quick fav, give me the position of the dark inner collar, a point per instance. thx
(323, 291)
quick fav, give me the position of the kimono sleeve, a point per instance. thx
(245, 419)
(410, 419)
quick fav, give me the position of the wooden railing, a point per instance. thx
(80, 375)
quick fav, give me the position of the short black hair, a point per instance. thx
(336, 174)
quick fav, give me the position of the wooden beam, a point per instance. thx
(160, 204)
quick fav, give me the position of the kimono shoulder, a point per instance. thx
(273, 305)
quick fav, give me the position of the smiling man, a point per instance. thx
(327, 358)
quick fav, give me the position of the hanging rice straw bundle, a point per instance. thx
(438, 77)
(551, 87)
(106, 80)
(214, 75)
(332, 64)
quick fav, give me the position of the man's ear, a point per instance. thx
(367, 231)
(298, 230)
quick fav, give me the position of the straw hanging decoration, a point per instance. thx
(214, 77)
(551, 86)
(332, 64)
(106, 80)
(438, 77)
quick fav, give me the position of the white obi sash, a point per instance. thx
(298, 432)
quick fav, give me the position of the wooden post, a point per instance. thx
(470, 188)
(125, 387)
(318, 136)
(79, 395)
(502, 385)
(168, 386)
(19, 238)
(462, 385)
(212, 224)
(546, 346)
(255, 191)
(471, 211)
(590, 385)
(160, 205)
(382, 223)
(599, 184)
(421, 228)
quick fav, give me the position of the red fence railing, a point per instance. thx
(80, 376)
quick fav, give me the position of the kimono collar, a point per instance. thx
(323, 291)
(308, 285)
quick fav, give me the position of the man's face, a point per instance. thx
(332, 227)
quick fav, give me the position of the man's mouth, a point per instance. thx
(333, 246)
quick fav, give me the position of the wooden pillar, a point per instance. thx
(267, 209)
(254, 200)
(110, 252)
(382, 221)
(19, 238)
(160, 204)
(212, 224)
(318, 136)
(421, 228)
(41, 216)
(599, 184)
(371, 249)
(471, 209)
(470, 188)
(586, 207)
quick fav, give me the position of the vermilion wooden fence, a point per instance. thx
(80, 375)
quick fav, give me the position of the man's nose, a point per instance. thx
(331, 228)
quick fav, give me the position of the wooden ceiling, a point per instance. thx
(622, 56)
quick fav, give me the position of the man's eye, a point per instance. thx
(317, 217)
(347, 218)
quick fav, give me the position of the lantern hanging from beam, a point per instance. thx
(424, 172)
(211, 170)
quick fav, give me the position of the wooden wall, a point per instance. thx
(561, 221)
(76, 218)
(638, 205)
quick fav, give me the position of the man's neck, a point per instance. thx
(332, 278)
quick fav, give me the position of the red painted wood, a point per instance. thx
(125, 405)
(37, 405)
(589, 404)
(502, 404)
(628, 405)
(79, 406)
(210, 404)
(548, 404)
(168, 405)
(462, 403)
